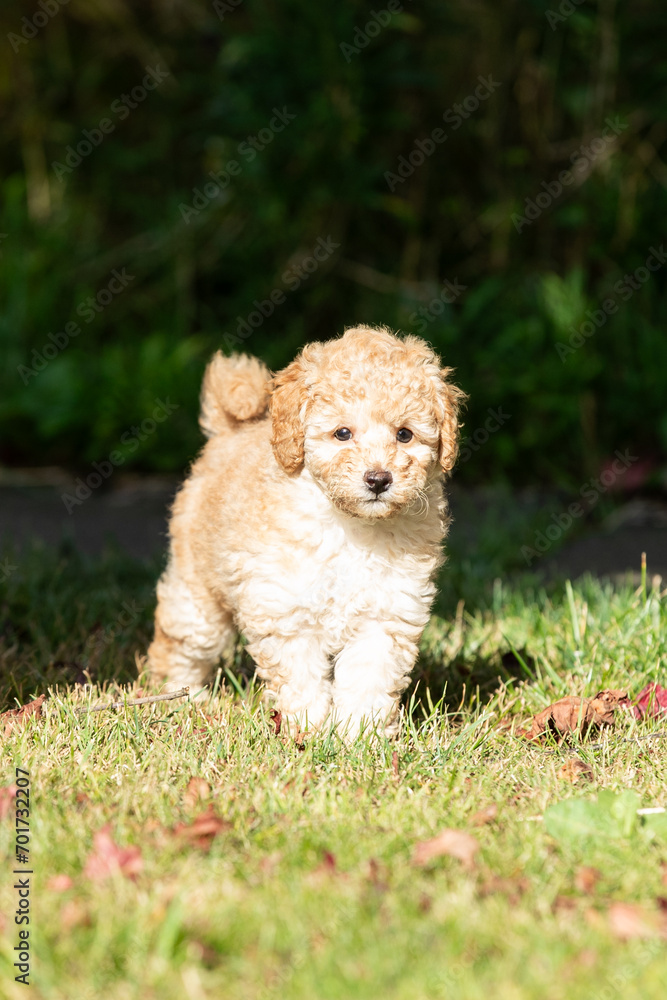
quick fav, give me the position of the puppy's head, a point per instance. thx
(371, 416)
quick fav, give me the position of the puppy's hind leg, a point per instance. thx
(192, 631)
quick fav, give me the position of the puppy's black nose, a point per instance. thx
(378, 480)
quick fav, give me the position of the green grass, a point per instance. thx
(311, 892)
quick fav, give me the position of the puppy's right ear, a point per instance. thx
(288, 403)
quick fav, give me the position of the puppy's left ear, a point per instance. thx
(451, 400)
(289, 393)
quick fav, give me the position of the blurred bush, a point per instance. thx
(364, 85)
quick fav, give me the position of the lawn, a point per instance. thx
(290, 868)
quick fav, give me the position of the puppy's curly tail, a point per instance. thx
(234, 389)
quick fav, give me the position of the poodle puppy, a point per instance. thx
(312, 523)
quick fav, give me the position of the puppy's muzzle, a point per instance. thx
(378, 480)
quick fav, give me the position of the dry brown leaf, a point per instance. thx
(107, 858)
(564, 904)
(572, 714)
(7, 797)
(484, 816)
(586, 878)
(378, 875)
(270, 862)
(16, 717)
(59, 883)
(453, 843)
(203, 830)
(574, 769)
(394, 764)
(197, 791)
(73, 914)
(628, 921)
(277, 720)
(513, 888)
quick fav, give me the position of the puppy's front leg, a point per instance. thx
(297, 674)
(370, 673)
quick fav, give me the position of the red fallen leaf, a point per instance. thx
(627, 921)
(571, 714)
(19, 716)
(7, 795)
(197, 790)
(107, 858)
(59, 883)
(202, 831)
(277, 720)
(327, 869)
(329, 861)
(650, 702)
(454, 843)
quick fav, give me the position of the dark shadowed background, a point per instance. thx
(183, 175)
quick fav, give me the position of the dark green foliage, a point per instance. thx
(323, 177)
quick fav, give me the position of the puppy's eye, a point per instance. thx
(404, 435)
(343, 434)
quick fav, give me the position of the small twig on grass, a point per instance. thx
(629, 739)
(139, 701)
(609, 745)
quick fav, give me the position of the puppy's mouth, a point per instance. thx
(380, 506)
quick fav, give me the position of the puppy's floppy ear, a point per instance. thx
(451, 399)
(288, 399)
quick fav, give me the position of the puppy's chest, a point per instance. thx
(335, 582)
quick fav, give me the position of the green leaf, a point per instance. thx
(612, 815)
